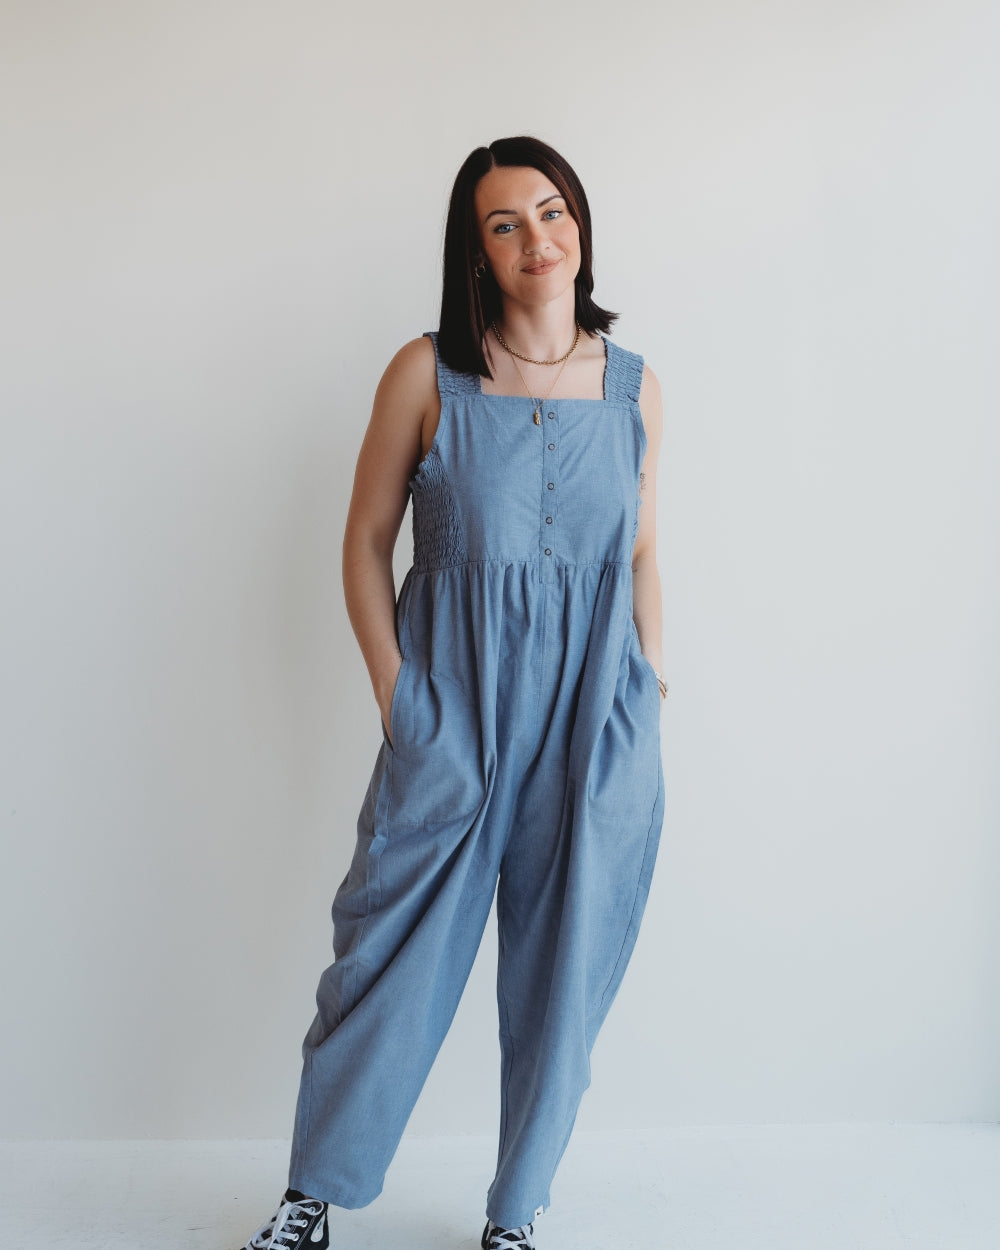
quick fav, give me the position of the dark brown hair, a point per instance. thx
(468, 303)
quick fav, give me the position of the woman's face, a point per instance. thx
(530, 242)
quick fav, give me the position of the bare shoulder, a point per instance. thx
(651, 404)
(413, 370)
(407, 406)
(650, 389)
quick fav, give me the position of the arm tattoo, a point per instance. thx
(642, 481)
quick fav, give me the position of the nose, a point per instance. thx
(534, 238)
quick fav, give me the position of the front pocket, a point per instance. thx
(391, 733)
(439, 776)
(643, 662)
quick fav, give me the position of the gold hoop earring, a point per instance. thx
(480, 271)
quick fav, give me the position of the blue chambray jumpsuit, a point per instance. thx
(525, 749)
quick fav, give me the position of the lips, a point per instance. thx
(545, 267)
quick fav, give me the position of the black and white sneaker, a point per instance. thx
(299, 1222)
(497, 1238)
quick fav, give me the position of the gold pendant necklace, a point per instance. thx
(538, 408)
(515, 356)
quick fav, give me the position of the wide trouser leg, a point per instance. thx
(573, 887)
(408, 920)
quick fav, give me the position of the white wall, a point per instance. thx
(220, 220)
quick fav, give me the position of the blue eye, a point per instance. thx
(505, 227)
(554, 212)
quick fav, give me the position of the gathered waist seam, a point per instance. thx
(506, 562)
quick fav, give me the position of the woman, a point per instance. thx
(516, 676)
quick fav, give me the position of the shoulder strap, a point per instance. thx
(450, 382)
(623, 374)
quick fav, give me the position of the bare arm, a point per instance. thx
(647, 599)
(405, 401)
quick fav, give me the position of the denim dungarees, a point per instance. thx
(524, 759)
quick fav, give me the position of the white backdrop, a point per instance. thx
(220, 221)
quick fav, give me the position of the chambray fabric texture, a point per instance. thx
(522, 757)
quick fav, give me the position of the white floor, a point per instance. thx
(816, 1187)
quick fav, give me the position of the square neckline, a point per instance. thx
(557, 399)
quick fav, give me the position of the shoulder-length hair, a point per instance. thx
(468, 303)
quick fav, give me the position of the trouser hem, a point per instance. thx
(515, 1217)
(336, 1196)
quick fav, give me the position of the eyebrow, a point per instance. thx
(512, 212)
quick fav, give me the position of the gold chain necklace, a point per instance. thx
(515, 356)
(507, 348)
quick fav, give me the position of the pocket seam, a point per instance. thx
(393, 727)
(643, 658)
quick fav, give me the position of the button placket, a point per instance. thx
(550, 486)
